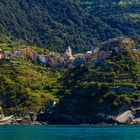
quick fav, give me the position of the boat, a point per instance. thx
(5, 119)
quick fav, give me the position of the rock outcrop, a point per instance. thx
(131, 116)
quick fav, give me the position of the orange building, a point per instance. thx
(1, 56)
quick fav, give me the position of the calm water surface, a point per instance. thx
(46, 132)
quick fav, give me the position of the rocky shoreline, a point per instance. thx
(129, 115)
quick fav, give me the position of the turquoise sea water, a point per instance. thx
(46, 132)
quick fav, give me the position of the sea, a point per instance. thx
(56, 132)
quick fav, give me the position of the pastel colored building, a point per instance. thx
(97, 50)
(41, 58)
(103, 55)
(1, 54)
(16, 52)
(54, 60)
(117, 49)
(7, 54)
(27, 52)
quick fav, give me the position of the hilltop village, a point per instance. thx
(95, 56)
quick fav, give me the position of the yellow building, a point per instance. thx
(1, 56)
(127, 43)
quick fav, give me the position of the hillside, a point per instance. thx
(101, 86)
(53, 24)
(25, 86)
(69, 58)
(102, 81)
(80, 24)
(122, 15)
(112, 84)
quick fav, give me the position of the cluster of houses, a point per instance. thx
(95, 56)
(9, 54)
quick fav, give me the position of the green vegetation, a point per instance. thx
(77, 23)
(122, 15)
(25, 86)
(53, 24)
(113, 84)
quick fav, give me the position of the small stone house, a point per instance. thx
(51, 103)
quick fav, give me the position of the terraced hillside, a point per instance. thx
(25, 86)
